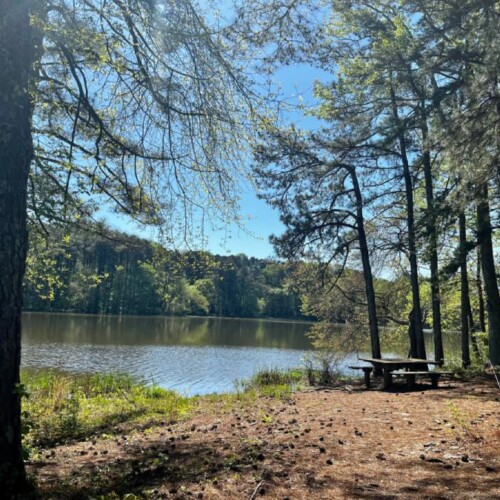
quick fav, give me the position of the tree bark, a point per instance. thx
(16, 150)
(433, 241)
(367, 270)
(472, 330)
(484, 235)
(418, 343)
(464, 291)
(480, 293)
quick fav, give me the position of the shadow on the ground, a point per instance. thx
(448, 389)
(150, 464)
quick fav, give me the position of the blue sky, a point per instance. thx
(260, 220)
(296, 83)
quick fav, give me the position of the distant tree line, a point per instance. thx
(120, 274)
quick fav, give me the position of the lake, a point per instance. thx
(192, 355)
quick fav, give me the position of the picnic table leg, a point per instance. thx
(387, 377)
(367, 377)
(410, 381)
(434, 380)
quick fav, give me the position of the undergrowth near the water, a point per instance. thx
(61, 408)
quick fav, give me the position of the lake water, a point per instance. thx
(191, 355)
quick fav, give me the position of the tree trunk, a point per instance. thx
(433, 240)
(484, 235)
(367, 270)
(464, 291)
(16, 150)
(472, 330)
(418, 345)
(480, 294)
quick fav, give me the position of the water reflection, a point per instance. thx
(140, 330)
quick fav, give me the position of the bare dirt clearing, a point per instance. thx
(328, 443)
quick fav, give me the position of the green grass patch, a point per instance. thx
(272, 382)
(273, 376)
(62, 408)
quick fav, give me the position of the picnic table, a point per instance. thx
(409, 365)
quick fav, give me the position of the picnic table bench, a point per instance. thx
(411, 376)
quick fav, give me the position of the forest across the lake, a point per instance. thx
(114, 273)
(97, 270)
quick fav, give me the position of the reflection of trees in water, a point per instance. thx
(138, 330)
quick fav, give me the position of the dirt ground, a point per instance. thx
(344, 442)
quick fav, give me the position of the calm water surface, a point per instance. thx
(193, 355)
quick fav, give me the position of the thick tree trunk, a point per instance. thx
(15, 156)
(433, 241)
(484, 235)
(464, 292)
(367, 270)
(418, 343)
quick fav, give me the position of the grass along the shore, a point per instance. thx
(61, 408)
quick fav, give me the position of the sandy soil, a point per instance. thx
(335, 443)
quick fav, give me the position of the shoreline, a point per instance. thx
(335, 442)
